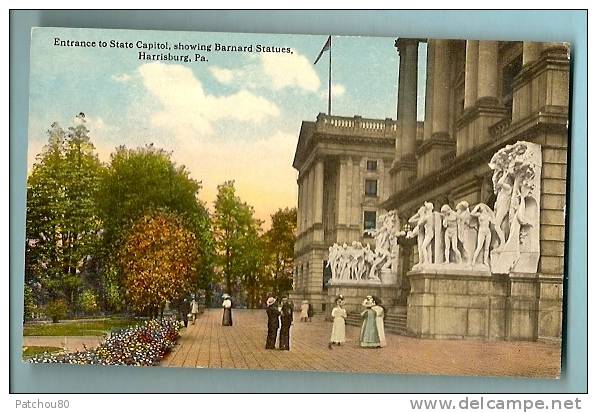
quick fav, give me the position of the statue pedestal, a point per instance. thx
(457, 304)
(355, 293)
(452, 269)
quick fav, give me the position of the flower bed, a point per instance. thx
(143, 345)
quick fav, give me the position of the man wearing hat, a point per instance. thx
(273, 323)
(285, 323)
(227, 304)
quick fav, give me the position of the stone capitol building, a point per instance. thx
(456, 223)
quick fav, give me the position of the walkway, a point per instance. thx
(209, 344)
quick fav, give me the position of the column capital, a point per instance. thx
(402, 43)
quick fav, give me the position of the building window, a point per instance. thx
(372, 165)
(371, 187)
(369, 218)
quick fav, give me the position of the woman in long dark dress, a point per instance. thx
(227, 316)
(286, 322)
(273, 323)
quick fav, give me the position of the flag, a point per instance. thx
(326, 46)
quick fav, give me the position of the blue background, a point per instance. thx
(570, 26)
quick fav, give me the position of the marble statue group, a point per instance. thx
(357, 262)
(502, 239)
(469, 237)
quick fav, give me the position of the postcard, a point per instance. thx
(296, 202)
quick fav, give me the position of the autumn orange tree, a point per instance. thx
(157, 260)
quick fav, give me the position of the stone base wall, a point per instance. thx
(355, 294)
(484, 307)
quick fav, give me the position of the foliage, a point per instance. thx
(252, 267)
(141, 180)
(279, 244)
(142, 345)
(29, 303)
(158, 259)
(236, 232)
(78, 328)
(62, 221)
(136, 183)
(113, 294)
(88, 302)
(56, 310)
(134, 233)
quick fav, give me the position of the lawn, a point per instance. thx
(31, 351)
(77, 328)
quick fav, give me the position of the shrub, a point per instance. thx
(88, 302)
(56, 310)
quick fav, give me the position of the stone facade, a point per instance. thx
(480, 97)
(343, 175)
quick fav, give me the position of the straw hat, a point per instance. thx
(270, 301)
(368, 302)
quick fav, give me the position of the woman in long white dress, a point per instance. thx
(339, 326)
(305, 310)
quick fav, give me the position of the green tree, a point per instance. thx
(158, 259)
(235, 232)
(253, 258)
(279, 245)
(137, 182)
(62, 220)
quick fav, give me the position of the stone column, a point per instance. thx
(488, 71)
(299, 206)
(318, 192)
(342, 187)
(407, 100)
(531, 52)
(405, 167)
(311, 196)
(305, 199)
(357, 192)
(428, 125)
(441, 89)
(470, 73)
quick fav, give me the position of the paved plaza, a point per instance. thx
(242, 346)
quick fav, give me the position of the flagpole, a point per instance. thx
(330, 81)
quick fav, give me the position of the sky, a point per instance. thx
(236, 116)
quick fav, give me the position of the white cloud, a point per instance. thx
(222, 75)
(187, 108)
(260, 162)
(274, 71)
(290, 70)
(122, 78)
(338, 90)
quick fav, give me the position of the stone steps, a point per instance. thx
(395, 321)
